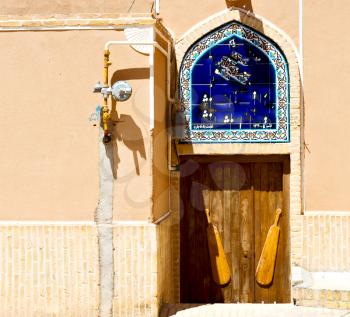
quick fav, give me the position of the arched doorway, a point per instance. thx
(236, 97)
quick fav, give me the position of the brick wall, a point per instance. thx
(135, 269)
(326, 242)
(52, 270)
(48, 270)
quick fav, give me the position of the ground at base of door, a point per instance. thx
(248, 310)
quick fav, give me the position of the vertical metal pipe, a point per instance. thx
(156, 7)
(302, 114)
(301, 40)
(105, 67)
(105, 110)
(151, 88)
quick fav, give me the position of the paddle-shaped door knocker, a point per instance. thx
(219, 265)
(266, 266)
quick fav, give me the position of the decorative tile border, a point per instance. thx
(234, 29)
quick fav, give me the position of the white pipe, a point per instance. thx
(53, 223)
(59, 28)
(68, 27)
(167, 54)
(153, 43)
(151, 67)
(110, 43)
(162, 218)
(156, 7)
(301, 40)
(151, 88)
(46, 223)
(301, 68)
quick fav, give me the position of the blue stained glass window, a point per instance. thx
(235, 88)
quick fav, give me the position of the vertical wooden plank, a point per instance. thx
(283, 256)
(203, 288)
(271, 197)
(212, 201)
(193, 239)
(194, 259)
(274, 179)
(246, 236)
(227, 223)
(184, 194)
(256, 181)
(275, 291)
(218, 206)
(286, 282)
(235, 234)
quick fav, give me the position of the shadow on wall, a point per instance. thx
(243, 4)
(124, 128)
(247, 6)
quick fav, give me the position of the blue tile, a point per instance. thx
(233, 75)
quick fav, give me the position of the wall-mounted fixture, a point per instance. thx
(105, 90)
(120, 91)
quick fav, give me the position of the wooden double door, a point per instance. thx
(242, 194)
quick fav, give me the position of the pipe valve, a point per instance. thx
(98, 87)
(120, 91)
(106, 91)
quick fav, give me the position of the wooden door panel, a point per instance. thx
(196, 284)
(247, 252)
(242, 197)
(268, 195)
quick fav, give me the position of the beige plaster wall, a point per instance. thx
(181, 15)
(327, 112)
(42, 8)
(132, 154)
(55, 162)
(49, 168)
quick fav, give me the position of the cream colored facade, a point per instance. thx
(51, 170)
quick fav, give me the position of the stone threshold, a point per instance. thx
(249, 310)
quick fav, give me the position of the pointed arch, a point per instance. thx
(234, 87)
(294, 147)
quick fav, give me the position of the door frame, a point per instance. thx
(286, 163)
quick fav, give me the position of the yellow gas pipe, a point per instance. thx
(105, 111)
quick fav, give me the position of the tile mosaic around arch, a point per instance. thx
(280, 134)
